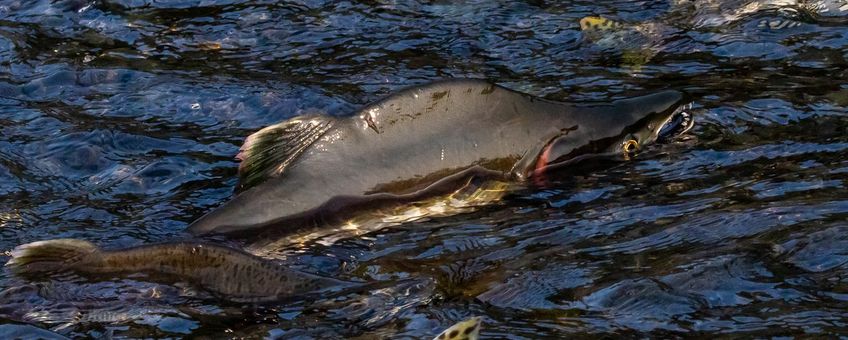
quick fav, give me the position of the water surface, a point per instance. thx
(120, 120)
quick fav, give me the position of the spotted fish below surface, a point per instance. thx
(231, 274)
(639, 42)
(698, 14)
(427, 141)
(468, 329)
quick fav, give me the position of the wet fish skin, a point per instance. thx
(468, 329)
(232, 274)
(421, 142)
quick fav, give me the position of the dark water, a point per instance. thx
(120, 120)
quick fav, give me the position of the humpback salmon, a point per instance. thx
(423, 142)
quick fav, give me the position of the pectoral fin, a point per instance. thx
(269, 151)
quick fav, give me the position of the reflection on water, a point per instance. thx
(120, 120)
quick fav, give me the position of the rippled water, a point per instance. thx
(120, 120)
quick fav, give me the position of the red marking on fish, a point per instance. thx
(541, 163)
(543, 159)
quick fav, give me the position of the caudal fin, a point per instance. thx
(50, 256)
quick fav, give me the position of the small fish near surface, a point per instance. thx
(424, 142)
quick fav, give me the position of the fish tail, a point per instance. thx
(50, 256)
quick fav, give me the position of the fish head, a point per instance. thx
(621, 128)
(661, 126)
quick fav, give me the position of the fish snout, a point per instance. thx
(680, 122)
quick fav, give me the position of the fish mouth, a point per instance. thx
(677, 124)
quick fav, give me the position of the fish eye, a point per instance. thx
(630, 146)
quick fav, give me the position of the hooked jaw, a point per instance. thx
(661, 128)
(666, 122)
(680, 122)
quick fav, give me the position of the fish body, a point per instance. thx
(229, 273)
(422, 142)
(638, 42)
(605, 32)
(468, 329)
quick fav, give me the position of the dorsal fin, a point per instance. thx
(269, 151)
(468, 329)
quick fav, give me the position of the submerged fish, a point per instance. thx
(423, 142)
(826, 10)
(468, 329)
(229, 273)
(718, 13)
(638, 42)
